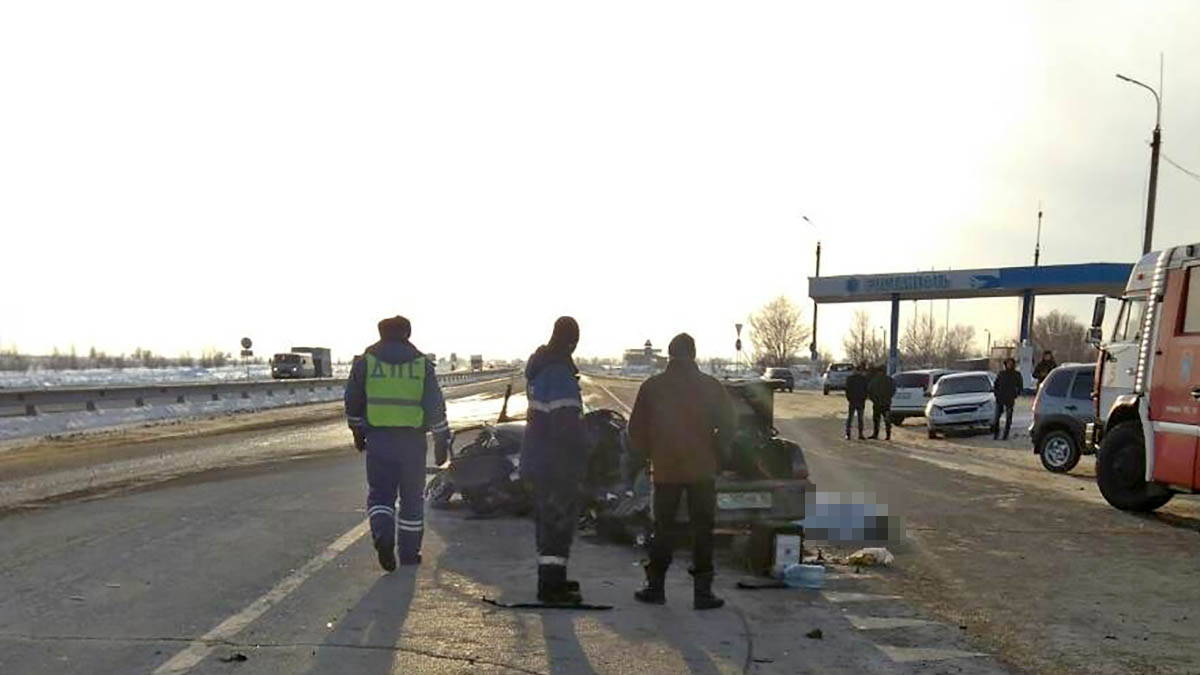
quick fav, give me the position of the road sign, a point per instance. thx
(738, 345)
(246, 343)
(738, 326)
(247, 353)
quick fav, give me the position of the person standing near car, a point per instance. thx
(682, 421)
(1042, 370)
(392, 399)
(856, 399)
(1007, 388)
(880, 390)
(554, 458)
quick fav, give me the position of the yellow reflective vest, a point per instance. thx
(394, 392)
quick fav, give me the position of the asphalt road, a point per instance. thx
(267, 561)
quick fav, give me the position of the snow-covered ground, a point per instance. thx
(100, 377)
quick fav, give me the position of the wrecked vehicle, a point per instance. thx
(763, 482)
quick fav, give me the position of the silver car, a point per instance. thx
(1061, 411)
(835, 376)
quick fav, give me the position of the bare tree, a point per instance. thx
(1062, 334)
(919, 344)
(777, 332)
(861, 344)
(956, 343)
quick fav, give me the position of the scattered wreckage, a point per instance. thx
(763, 483)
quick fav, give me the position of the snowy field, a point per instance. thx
(102, 377)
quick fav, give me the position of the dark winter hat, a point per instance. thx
(565, 336)
(395, 328)
(682, 348)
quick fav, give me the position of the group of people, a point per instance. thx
(682, 422)
(876, 385)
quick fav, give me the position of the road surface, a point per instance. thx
(1007, 569)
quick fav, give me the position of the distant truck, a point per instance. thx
(476, 362)
(302, 362)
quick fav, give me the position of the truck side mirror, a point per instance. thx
(1094, 336)
(1098, 313)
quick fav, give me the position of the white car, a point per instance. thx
(961, 402)
(913, 388)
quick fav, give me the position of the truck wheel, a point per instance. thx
(1121, 471)
(1059, 451)
(826, 391)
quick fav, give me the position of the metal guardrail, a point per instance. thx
(33, 402)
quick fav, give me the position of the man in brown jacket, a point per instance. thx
(682, 420)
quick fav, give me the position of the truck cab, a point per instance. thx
(290, 365)
(1147, 386)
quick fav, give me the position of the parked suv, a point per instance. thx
(912, 392)
(961, 401)
(835, 377)
(1062, 409)
(780, 378)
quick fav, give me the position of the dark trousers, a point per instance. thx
(396, 471)
(556, 506)
(1007, 408)
(702, 508)
(851, 409)
(882, 410)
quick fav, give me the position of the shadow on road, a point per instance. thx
(371, 628)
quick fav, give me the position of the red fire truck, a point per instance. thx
(1147, 390)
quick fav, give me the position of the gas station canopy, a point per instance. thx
(1085, 279)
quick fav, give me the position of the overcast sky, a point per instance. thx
(177, 175)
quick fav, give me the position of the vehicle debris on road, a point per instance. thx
(870, 557)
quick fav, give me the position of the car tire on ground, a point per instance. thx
(826, 391)
(898, 420)
(932, 433)
(1121, 471)
(1059, 451)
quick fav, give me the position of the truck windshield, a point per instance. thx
(1129, 321)
(287, 358)
(962, 385)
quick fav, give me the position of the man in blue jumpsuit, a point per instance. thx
(554, 458)
(392, 399)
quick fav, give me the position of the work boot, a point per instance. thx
(861, 437)
(553, 588)
(410, 560)
(654, 592)
(387, 555)
(702, 597)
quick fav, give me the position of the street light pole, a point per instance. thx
(1155, 143)
(812, 348)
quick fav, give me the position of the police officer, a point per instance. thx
(554, 458)
(392, 400)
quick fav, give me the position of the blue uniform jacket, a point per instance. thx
(555, 446)
(431, 399)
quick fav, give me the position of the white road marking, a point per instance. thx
(195, 652)
(619, 402)
(910, 654)
(885, 622)
(840, 597)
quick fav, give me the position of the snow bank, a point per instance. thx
(99, 377)
(12, 428)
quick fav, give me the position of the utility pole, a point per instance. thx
(1155, 144)
(1037, 247)
(812, 347)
